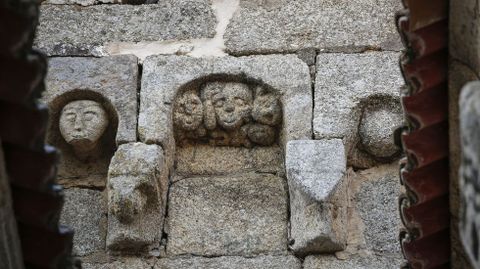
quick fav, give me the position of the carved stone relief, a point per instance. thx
(137, 189)
(82, 124)
(227, 114)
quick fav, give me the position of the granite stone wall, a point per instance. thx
(226, 133)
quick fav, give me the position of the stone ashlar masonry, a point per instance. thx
(226, 134)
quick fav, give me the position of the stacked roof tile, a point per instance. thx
(424, 172)
(30, 164)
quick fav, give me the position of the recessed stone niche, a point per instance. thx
(92, 105)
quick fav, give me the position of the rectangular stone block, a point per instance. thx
(243, 215)
(375, 193)
(86, 212)
(111, 82)
(207, 160)
(318, 195)
(357, 99)
(275, 26)
(165, 76)
(231, 262)
(356, 262)
(127, 263)
(115, 78)
(81, 31)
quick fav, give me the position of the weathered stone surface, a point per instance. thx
(243, 215)
(284, 26)
(207, 160)
(468, 173)
(128, 263)
(112, 83)
(165, 76)
(318, 202)
(377, 125)
(464, 34)
(459, 74)
(86, 212)
(345, 86)
(233, 114)
(231, 262)
(137, 192)
(357, 262)
(113, 78)
(377, 205)
(72, 30)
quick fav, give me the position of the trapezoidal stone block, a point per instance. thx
(318, 195)
(284, 76)
(241, 214)
(93, 108)
(357, 98)
(137, 197)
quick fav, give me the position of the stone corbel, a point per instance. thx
(316, 172)
(137, 189)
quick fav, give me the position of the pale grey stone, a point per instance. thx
(377, 204)
(468, 174)
(113, 78)
(126, 263)
(86, 212)
(244, 214)
(318, 202)
(376, 129)
(231, 262)
(164, 76)
(137, 192)
(207, 160)
(464, 34)
(345, 85)
(356, 262)
(272, 26)
(72, 30)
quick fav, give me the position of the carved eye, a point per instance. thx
(239, 101)
(90, 115)
(71, 116)
(219, 102)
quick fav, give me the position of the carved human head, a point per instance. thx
(82, 124)
(231, 102)
(266, 108)
(261, 134)
(188, 111)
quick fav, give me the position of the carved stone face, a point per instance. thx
(267, 110)
(261, 134)
(82, 123)
(232, 103)
(188, 112)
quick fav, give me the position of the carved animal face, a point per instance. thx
(232, 103)
(82, 123)
(267, 110)
(188, 112)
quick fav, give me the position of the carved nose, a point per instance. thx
(229, 107)
(77, 125)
